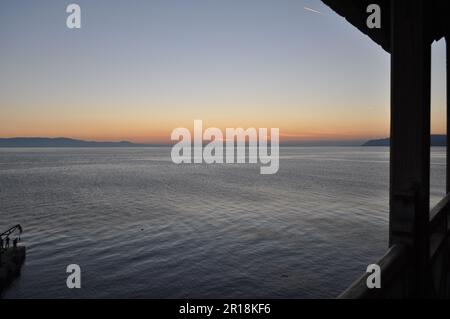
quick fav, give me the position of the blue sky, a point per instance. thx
(138, 69)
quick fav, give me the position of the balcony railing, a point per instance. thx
(396, 266)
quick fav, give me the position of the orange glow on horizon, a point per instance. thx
(160, 134)
(307, 124)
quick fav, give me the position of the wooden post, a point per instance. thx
(447, 40)
(409, 197)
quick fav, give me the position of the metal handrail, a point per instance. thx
(12, 230)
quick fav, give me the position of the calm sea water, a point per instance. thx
(140, 226)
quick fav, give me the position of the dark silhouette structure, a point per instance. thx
(11, 259)
(417, 262)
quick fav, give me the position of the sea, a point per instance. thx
(140, 226)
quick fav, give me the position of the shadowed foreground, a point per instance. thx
(11, 261)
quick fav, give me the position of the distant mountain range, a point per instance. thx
(60, 142)
(436, 140)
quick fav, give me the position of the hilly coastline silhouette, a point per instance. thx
(436, 140)
(61, 142)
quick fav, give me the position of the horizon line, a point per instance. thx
(127, 143)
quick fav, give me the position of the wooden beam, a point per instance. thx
(355, 12)
(410, 136)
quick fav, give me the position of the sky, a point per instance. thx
(137, 69)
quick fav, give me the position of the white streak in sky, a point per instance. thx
(315, 11)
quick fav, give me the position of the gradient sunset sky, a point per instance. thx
(138, 69)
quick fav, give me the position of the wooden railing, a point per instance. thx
(391, 265)
(397, 274)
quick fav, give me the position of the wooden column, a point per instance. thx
(447, 44)
(410, 136)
